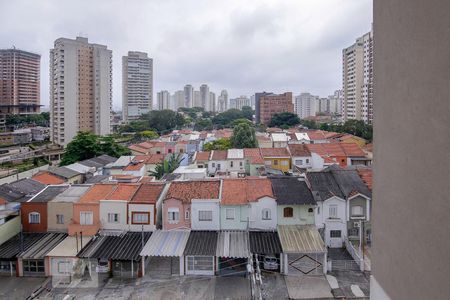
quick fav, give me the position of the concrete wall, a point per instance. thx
(150, 208)
(59, 208)
(411, 157)
(240, 221)
(114, 207)
(29, 207)
(256, 221)
(301, 215)
(9, 229)
(205, 205)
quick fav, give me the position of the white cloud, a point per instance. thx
(241, 46)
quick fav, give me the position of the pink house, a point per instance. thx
(176, 208)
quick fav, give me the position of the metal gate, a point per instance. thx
(344, 265)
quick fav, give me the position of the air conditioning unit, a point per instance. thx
(356, 224)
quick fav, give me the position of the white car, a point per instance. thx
(270, 263)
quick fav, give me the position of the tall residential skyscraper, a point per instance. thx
(357, 79)
(80, 89)
(164, 100)
(197, 102)
(177, 100)
(212, 102)
(137, 85)
(204, 97)
(335, 102)
(274, 104)
(222, 103)
(239, 102)
(306, 105)
(188, 95)
(258, 106)
(19, 82)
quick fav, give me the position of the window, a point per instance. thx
(310, 210)
(333, 214)
(231, 164)
(36, 266)
(229, 213)
(173, 215)
(213, 165)
(86, 218)
(113, 218)
(59, 219)
(205, 215)
(186, 215)
(335, 233)
(140, 217)
(64, 267)
(288, 212)
(218, 166)
(307, 160)
(275, 162)
(357, 210)
(318, 210)
(34, 218)
(268, 162)
(240, 164)
(266, 214)
(299, 162)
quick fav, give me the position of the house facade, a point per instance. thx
(277, 158)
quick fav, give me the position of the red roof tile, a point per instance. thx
(188, 190)
(47, 178)
(148, 193)
(299, 150)
(219, 155)
(275, 152)
(336, 149)
(254, 155)
(97, 192)
(134, 167)
(123, 191)
(202, 155)
(136, 148)
(366, 176)
(244, 190)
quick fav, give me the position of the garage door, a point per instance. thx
(165, 266)
(305, 264)
(200, 265)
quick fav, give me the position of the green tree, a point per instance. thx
(203, 124)
(285, 119)
(248, 112)
(163, 120)
(135, 126)
(86, 145)
(244, 137)
(167, 166)
(149, 134)
(241, 121)
(227, 117)
(309, 124)
(219, 144)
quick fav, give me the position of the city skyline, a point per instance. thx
(223, 55)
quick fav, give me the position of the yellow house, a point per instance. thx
(277, 158)
(351, 139)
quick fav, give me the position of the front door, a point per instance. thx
(335, 239)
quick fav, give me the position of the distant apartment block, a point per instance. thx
(80, 89)
(19, 82)
(222, 103)
(163, 98)
(334, 105)
(270, 105)
(188, 96)
(357, 80)
(137, 85)
(258, 104)
(305, 105)
(239, 102)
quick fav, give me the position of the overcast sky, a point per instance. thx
(242, 46)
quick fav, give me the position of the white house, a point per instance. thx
(236, 160)
(279, 139)
(263, 213)
(301, 157)
(331, 216)
(205, 214)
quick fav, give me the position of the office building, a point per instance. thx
(258, 106)
(80, 89)
(137, 85)
(274, 104)
(357, 79)
(19, 82)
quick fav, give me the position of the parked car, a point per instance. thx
(270, 263)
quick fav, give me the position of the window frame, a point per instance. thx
(137, 213)
(333, 208)
(269, 214)
(34, 214)
(85, 213)
(203, 212)
(228, 210)
(113, 215)
(58, 217)
(288, 212)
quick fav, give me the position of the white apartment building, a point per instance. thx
(239, 102)
(357, 80)
(306, 105)
(212, 102)
(188, 96)
(204, 97)
(197, 102)
(80, 89)
(163, 98)
(177, 100)
(335, 102)
(222, 103)
(137, 85)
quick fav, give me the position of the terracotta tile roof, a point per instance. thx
(3, 201)
(147, 179)
(146, 145)
(219, 155)
(299, 150)
(188, 190)
(319, 134)
(240, 191)
(154, 159)
(275, 152)
(47, 178)
(136, 148)
(254, 155)
(134, 167)
(148, 193)
(123, 191)
(97, 192)
(368, 147)
(336, 149)
(366, 176)
(202, 155)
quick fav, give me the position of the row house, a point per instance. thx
(277, 158)
(342, 154)
(254, 162)
(343, 204)
(226, 162)
(301, 156)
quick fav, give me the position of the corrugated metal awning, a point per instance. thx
(202, 243)
(233, 244)
(43, 246)
(166, 243)
(264, 242)
(300, 239)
